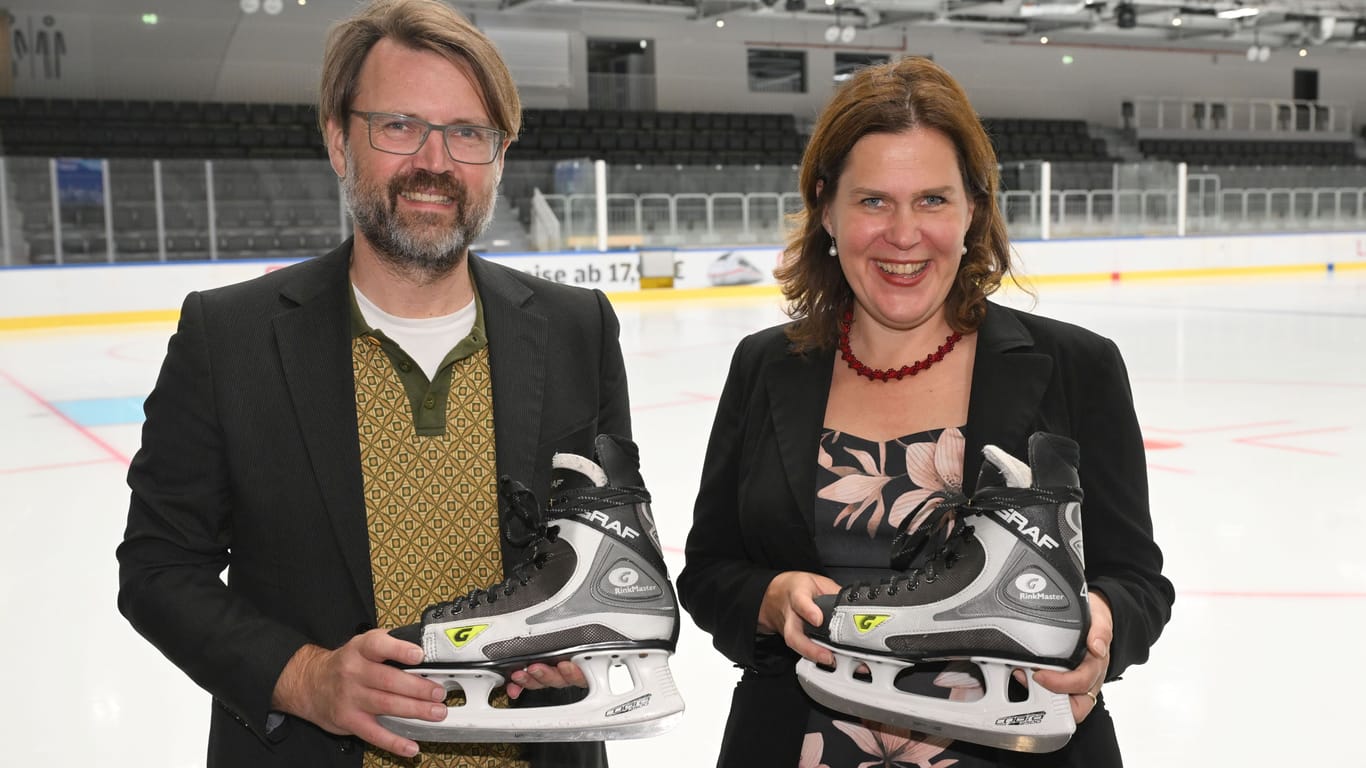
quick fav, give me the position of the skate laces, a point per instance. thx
(585, 500)
(934, 545)
(522, 505)
(926, 551)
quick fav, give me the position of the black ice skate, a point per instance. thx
(594, 591)
(1006, 592)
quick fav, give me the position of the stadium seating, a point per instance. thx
(1226, 152)
(1018, 139)
(278, 195)
(160, 129)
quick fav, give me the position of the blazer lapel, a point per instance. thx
(798, 388)
(517, 337)
(314, 340)
(1008, 382)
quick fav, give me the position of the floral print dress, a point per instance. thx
(865, 489)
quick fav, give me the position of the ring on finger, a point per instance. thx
(1092, 697)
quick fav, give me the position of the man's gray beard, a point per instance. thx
(406, 247)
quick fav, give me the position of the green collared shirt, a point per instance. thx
(427, 398)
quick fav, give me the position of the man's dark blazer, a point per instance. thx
(755, 511)
(250, 461)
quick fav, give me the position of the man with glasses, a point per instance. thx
(332, 433)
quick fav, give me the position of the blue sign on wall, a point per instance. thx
(80, 182)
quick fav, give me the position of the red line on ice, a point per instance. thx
(55, 411)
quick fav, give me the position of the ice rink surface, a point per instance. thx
(1252, 397)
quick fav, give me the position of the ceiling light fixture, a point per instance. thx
(1238, 13)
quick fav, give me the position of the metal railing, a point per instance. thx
(145, 210)
(1224, 117)
(59, 211)
(685, 218)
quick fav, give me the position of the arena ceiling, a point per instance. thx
(1181, 23)
(1226, 24)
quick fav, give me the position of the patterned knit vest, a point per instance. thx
(432, 510)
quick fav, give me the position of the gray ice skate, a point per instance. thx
(594, 591)
(1006, 591)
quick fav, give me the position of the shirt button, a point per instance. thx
(405, 366)
(429, 403)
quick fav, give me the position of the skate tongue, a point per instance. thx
(617, 466)
(1014, 472)
(1055, 460)
(620, 459)
(570, 470)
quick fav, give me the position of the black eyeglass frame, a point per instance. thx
(427, 129)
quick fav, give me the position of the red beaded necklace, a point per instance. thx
(879, 374)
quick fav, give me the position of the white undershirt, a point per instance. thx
(427, 340)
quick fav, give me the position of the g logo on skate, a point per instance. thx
(623, 577)
(865, 622)
(1031, 583)
(460, 636)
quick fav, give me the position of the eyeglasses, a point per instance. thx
(404, 135)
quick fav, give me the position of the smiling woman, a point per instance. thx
(864, 455)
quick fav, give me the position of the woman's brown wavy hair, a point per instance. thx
(891, 98)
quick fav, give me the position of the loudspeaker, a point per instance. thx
(1125, 18)
(1359, 31)
(795, 5)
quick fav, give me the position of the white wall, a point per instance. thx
(52, 292)
(204, 49)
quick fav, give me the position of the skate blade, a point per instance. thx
(651, 706)
(1041, 723)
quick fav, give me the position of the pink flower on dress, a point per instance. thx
(894, 747)
(936, 466)
(856, 490)
(813, 748)
(960, 678)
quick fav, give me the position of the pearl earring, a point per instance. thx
(965, 250)
(833, 250)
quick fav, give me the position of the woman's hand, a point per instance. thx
(789, 603)
(1083, 683)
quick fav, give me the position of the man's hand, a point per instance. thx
(538, 676)
(789, 604)
(342, 691)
